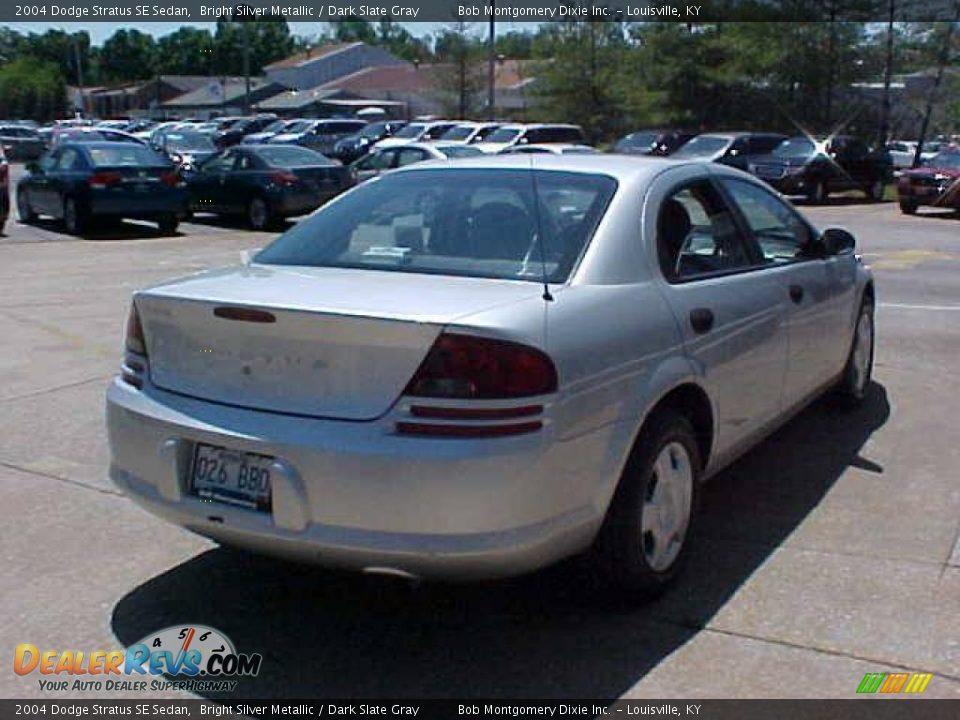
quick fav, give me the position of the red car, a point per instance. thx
(4, 190)
(937, 183)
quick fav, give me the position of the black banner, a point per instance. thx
(857, 709)
(139, 11)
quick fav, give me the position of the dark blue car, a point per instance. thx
(80, 182)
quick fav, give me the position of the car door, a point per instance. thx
(818, 289)
(71, 171)
(729, 312)
(208, 184)
(39, 190)
(242, 180)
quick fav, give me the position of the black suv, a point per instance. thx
(816, 168)
(652, 142)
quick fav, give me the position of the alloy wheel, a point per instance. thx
(666, 507)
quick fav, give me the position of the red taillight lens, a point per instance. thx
(284, 178)
(104, 179)
(135, 341)
(463, 366)
(172, 179)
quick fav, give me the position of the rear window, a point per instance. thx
(131, 155)
(411, 131)
(702, 146)
(503, 135)
(460, 151)
(476, 222)
(458, 132)
(280, 156)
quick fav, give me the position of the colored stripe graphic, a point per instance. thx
(890, 683)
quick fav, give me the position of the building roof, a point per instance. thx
(310, 55)
(393, 78)
(209, 94)
(293, 99)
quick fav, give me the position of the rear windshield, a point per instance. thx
(795, 147)
(467, 222)
(503, 135)
(410, 131)
(189, 141)
(131, 155)
(458, 132)
(281, 156)
(460, 151)
(645, 140)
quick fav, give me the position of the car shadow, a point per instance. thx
(237, 222)
(837, 201)
(107, 229)
(547, 635)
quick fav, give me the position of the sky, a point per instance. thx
(100, 31)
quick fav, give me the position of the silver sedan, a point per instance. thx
(477, 369)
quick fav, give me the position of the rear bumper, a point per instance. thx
(355, 495)
(138, 205)
(289, 204)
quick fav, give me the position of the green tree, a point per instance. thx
(461, 79)
(127, 55)
(32, 89)
(188, 51)
(354, 29)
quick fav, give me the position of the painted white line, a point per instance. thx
(907, 306)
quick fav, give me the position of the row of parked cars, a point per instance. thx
(264, 168)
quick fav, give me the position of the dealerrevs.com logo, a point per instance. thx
(195, 657)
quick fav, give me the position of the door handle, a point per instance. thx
(796, 293)
(701, 320)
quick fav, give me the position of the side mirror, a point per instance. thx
(837, 241)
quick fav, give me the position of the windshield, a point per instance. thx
(503, 135)
(458, 132)
(702, 146)
(179, 141)
(468, 222)
(644, 140)
(125, 155)
(374, 130)
(946, 160)
(291, 156)
(795, 147)
(460, 151)
(276, 126)
(411, 131)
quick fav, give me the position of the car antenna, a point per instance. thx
(536, 212)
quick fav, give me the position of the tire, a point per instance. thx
(633, 552)
(73, 219)
(855, 380)
(908, 208)
(259, 216)
(819, 193)
(24, 210)
(874, 190)
(168, 224)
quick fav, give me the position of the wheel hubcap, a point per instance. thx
(862, 350)
(666, 509)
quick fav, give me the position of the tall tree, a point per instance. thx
(187, 51)
(461, 79)
(127, 55)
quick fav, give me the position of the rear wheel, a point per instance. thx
(859, 369)
(907, 207)
(168, 224)
(874, 190)
(642, 542)
(26, 213)
(259, 216)
(73, 219)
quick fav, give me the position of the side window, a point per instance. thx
(68, 159)
(781, 233)
(376, 161)
(223, 163)
(409, 156)
(49, 162)
(696, 234)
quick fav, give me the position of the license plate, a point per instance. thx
(233, 477)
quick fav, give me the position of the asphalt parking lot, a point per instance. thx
(828, 552)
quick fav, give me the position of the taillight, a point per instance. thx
(172, 179)
(100, 180)
(476, 368)
(284, 178)
(135, 341)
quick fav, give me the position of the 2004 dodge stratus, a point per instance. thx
(475, 369)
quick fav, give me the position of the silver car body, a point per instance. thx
(323, 397)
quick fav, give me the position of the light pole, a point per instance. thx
(491, 64)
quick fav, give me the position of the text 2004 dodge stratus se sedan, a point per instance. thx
(475, 369)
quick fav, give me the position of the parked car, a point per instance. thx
(355, 146)
(277, 127)
(936, 183)
(557, 149)
(734, 149)
(379, 161)
(235, 131)
(454, 371)
(265, 183)
(538, 134)
(653, 142)
(469, 132)
(419, 131)
(89, 134)
(4, 190)
(81, 182)
(21, 143)
(816, 168)
(321, 135)
(187, 148)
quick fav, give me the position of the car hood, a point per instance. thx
(769, 159)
